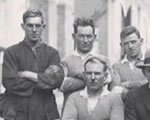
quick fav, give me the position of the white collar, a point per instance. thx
(124, 60)
(82, 56)
(84, 93)
(131, 64)
(140, 57)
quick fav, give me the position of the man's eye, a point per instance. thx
(133, 42)
(89, 36)
(38, 25)
(88, 73)
(29, 25)
(97, 73)
(34, 25)
(81, 36)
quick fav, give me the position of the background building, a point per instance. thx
(110, 17)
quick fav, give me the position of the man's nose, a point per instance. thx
(93, 76)
(34, 28)
(130, 45)
(85, 39)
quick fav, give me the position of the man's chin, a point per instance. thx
(86, 50)
(94, 88)
(134, 55)
(34, 40)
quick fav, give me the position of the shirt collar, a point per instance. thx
(132, 64)
(26, 42)
(84, 93)
(140, 56)
(82, 56)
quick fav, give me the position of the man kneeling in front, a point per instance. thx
(93, 103)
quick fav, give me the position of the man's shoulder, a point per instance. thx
(139, 91)
(114, 96)
(50, 48)
(70, 56)
(75, 95)
(71, 59)
(14, 47)
(114, 99)
(118, 64)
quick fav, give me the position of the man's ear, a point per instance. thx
(84, 76)
(23, 26)
(121, 44)
(73, 36)
(141, 39)
(105, 78)
(44, 25)
(106, 75)
(95, 36)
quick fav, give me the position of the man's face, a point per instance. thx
(147, 73)
(33, 28)
(95, 76)
(132, 45)
(84, 39)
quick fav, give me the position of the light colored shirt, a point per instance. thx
(127, 74)
(131, 64)
(92, 102)
(108, 107)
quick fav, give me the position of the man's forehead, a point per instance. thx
(127, 41)
(34, 20)
(94, 65)
(130, 38)
(85, 29)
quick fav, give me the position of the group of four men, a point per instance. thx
(32, 70)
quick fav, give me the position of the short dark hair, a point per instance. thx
(129, 30)
(32, 13)
(96, 59)
(83, 22)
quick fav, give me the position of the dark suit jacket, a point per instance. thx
(137, 105)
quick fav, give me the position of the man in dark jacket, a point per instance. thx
(137, 104)
(31, 71)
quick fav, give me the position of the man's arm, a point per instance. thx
(73, 83)
(53, 73)
(70, 110)
(51, 78)
(133, 84)
(11, 81)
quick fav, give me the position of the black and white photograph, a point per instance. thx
(74, 60)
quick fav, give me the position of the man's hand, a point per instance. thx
(52, 69)
(28, 74)
(125, 84)
(79, 76)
